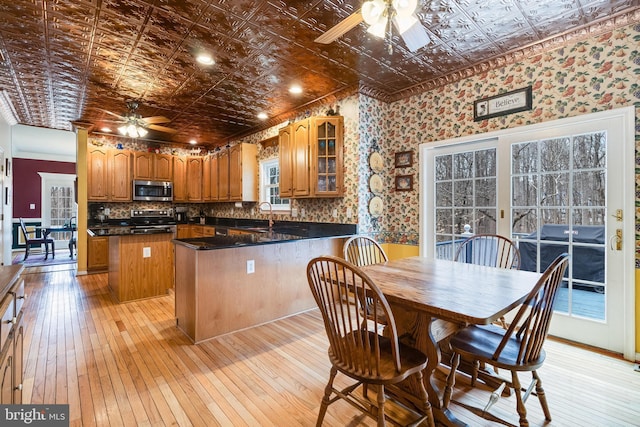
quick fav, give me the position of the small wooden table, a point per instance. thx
(59, 229)
(431, 299)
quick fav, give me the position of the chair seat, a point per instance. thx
(481, 342)
(411, 361)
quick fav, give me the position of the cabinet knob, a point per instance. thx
(14, 320)
(23, 296)
(19, 387)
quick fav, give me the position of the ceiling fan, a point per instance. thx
(379, 15)
(133, 125)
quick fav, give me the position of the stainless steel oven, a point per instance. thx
(161, 191)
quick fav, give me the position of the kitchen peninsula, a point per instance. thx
(225, 283)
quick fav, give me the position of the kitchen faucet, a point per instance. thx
(270, 212)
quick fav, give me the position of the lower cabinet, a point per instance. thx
(98, 253)
(11, 335)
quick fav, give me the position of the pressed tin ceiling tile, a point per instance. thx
(70, 60)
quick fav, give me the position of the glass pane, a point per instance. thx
(332, 165)
(588, 216)
(322, 148)
(463, 165)
(553, 216)
(463, 193)
(443, 168)
(524, 221)
(332, 147)
(322, 165)
(554, 155)
(461, 218)
(445, 247)
(331, 130)
(322, 183)
(486, 192)
(322, 131)
(555, 189)
(589, 188)
(444, 221)
(485, 162)
(524, 190)
(485, 221)
(562, 298)
(524, 158)
(589, 151)
(443, 194)
(588, 263)
(332, 183)
(588, 301)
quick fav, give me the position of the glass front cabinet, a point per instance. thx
(326, 140)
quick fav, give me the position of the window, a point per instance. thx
(270, 185)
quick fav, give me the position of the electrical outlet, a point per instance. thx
(303, 212)
(349, 212)
(251, 266)
(146, 252)
(107, 211)
(32, 206)
(294, 212)
(335, 213)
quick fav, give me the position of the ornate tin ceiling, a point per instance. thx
(64, 61)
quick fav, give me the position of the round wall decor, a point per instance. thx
(376, 163)
(375, 184)
(375, 207)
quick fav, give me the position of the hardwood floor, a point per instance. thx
(127, 364)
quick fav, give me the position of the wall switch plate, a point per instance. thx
(32, 206)
(251, 266)
(294, 212)
(146, 252)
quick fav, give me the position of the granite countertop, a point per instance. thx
(121, 231)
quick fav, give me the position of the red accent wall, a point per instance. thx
(27, 184)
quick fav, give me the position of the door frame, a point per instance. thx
(627, 115)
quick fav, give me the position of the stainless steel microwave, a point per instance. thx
(161, 191)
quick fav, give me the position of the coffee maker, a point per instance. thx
(181, 215)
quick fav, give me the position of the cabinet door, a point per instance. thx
(301, 170)
(142, 165)
(6, 375)
(223, 176)
(194, 179)
(285, 144)
(213, 177)
(179, 179)
(97, 253)
(18, 361)
(235, 173)
(183, 231)
(206, 179)
(327, 166)
(163, 167)
(97, 174)
(120, 171)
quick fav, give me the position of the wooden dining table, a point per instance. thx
(47, 230)
(431, 299)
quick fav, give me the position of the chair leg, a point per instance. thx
(326, 398)
(517, 389)
(53, 250)
(26, 253)
(382, 422)
(424, 397)
(46, 250)
(451, 380)
(542, 397)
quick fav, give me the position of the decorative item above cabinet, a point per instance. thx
(311, 158)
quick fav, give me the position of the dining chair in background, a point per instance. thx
(72, 240)
(518, 348)
(35, 241)
(490, 250)
(356, 348)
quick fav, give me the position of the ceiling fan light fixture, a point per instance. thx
(373, 11)
(378, 29)
(205, 59)
(405, 8)
(404, 23)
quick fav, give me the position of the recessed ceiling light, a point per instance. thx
(262, 116)
(193, 142)
(295, 89)
(205, 59)
(105, 129)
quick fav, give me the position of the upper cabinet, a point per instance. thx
(109, 174)
(179, 179)
(243, 173)
(194, 179)
(153, 166)
(311, 161)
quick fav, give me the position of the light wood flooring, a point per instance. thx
(127, 364)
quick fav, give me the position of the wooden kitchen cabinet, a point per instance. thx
(152, 166)
(183, 231)
(311, 161)
(202, 231)
(179, 179)
(210, 190)
(11, 335)
(108, 174)
(194, 179)
(243, 173)
(97, 253)
(223, 176)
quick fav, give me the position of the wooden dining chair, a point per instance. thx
(491, 250)
(72, 240)
(35, 241)
(519, 348)
(356, 348)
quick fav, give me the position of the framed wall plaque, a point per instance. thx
(503, 104)
(404, 182)
(404, 159)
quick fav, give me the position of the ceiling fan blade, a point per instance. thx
(156, 119)
(113, 114)
(339, 29)
(415, 37)
(162, 129)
